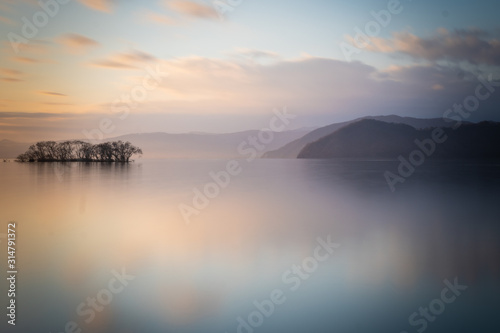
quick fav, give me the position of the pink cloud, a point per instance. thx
(77, 43)
(193, 9)
(127, 60)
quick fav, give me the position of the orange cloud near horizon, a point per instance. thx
(76, 43)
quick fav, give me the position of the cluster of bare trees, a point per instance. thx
(70, 151)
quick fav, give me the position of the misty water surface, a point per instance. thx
(77, 222)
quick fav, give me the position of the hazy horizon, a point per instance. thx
(304, 129)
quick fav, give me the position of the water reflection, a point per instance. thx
(79, 221)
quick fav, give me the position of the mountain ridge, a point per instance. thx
(292, 149)
(369, 138)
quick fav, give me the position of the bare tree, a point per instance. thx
(76, 150)
(123, 151)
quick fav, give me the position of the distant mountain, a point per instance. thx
(203, 145)
(370, 138)
(11, 149)
(292, 149)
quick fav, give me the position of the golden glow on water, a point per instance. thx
(77, 223)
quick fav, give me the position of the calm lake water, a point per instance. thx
(76, 223)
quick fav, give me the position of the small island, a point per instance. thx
(79, 151)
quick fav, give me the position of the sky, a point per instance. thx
(88, 68)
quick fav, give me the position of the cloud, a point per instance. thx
(229, 94)
(193, 9)
(10, 72)
(255, 55)
(111, 64)
(36, 51)
(135, 56)
(26, 60)
(99, 5)
(77, 43)
(127, 60)
(316, 86)
(51, 93)
(304, 79)
(53, 103)
(34, 115)
(35, 47)
(470, 45)
(11, 75)
(159, 18)
(10, 79)
(6, 20)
